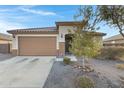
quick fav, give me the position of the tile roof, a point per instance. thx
(36, 29)
(49, 30)
(95, 33)
(69, 23)
(5, 37)
(115, 37)
(33, 30)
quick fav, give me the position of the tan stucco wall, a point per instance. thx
(62, 48)
(63, 30)
(14, 52)
(5, 41)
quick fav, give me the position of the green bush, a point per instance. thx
(120, 66)
(84, 82)
(66, 60)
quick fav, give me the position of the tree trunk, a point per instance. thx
(82, 61)
(120, 29)
(121, 33)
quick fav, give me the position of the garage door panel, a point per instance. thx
(38, 53)
(37, 45)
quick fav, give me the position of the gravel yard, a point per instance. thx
(61, 76)
(64, 76)
(108, 69)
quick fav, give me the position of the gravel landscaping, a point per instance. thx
(61, 76)
(108, 69)
(64, 76)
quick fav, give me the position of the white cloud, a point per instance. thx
(39, 12)
(26, 6)
(5, 25)
(4, 10)
(9, 20)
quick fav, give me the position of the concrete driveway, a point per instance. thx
(5, 56)
(23, 71)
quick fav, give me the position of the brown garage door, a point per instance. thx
(34, 46)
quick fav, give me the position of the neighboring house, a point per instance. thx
(47, 41)
(5, 43)
(116, 40)
(5, 39)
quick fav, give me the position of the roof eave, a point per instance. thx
(75, 23)
(103, 34)
(31, 32)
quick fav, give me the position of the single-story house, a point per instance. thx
(116, 40)
(46, 41)
(5, 43)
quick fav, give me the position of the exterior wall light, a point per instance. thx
(61, 35)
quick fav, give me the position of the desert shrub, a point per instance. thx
(114, 53)
(66, 60)
(120, 66)
(84, 82)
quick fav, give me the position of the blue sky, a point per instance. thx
(16, 17)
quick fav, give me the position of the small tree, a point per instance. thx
(84, 44)
(113, 15)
